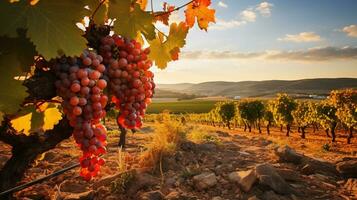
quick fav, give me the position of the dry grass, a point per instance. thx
(201, 135)
(168, 134)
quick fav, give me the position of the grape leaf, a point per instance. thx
(25, 55)
(101, 15)
(199, 9)
(51, 27)
(12, 17)
(159, 51)
(30, 119)
(13, 92)
(52, 116)
(131, 19)
(162, 51)
(164, 15)
(177, 35)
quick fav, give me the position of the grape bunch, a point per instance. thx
(130, 80)
(80, 84)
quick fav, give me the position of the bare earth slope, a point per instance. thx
(240, 166)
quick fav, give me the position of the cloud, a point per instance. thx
(223, 25)
(302, 37)
(223, 5)
(313, 54)
(350, 30)
(264, 8)
(248, 15)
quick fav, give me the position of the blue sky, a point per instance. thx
(264, 40)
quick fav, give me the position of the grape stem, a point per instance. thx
(96, 9)
(176, 9)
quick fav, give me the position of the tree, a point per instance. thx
(227, 111)
(326, 113)
(283, 107)
(268, 116)
(251, 112)
(302, 116)
(345, 102)
(44, 79)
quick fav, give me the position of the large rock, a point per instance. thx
(289, 175)
(205, 180)
(348, 168)
(245, 179)
(287, 154)
(269, 176)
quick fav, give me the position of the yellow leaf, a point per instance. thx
(52, 117)
(22, 124)
(162, 51)
(31, 119)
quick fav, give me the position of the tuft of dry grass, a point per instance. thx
(168, 134)
(200, 135)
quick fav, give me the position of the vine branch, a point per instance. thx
(175, 9)
(96, 9)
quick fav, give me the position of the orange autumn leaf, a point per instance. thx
(199, 9)
(175, 53)
(164, 15)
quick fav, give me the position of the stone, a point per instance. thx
(289, 175)
(245, 179)
(152, 195)
(80, 196)
(204, 180)
(287, 154)
(348, 168)
(217, 198)
(268, 176)
(173, 196)
(72, 187)
(207, 147)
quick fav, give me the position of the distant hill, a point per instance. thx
(319, 86)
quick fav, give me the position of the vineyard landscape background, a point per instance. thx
(178, 100)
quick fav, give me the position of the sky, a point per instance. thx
(268, 40)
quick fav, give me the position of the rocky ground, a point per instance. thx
(239, 166)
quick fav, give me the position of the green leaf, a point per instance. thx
(131, 19)
(50, 24)
(12, 92)
(51, 27)
(25, 55)
(101, 14)
(12, 17)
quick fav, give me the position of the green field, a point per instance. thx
(195, 106)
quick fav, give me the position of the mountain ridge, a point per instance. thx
(262, 88)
